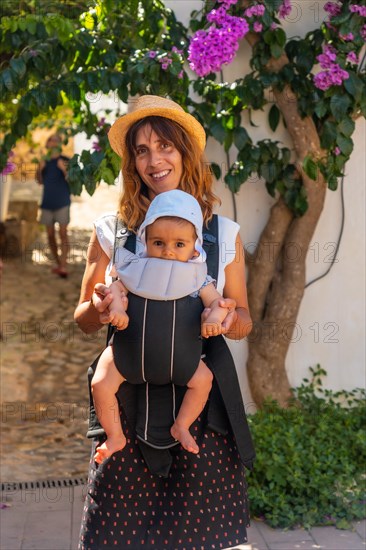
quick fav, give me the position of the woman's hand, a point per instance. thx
(231, 317)
(101, 300)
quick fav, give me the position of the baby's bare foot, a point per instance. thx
(185, 438)
(110, 446)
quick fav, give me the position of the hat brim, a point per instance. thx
(117, 133)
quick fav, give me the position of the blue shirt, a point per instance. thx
(56, 192)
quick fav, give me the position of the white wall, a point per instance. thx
(331, 321)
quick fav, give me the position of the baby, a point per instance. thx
(166, 237)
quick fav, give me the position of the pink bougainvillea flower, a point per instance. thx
(285, 9)
(352, 57)
(96, 146)
(361, 10)
(257, 10)
(9, 168)
(332, 8)
(209, 50)
(334, 76)
(327, 58)
(347, 37)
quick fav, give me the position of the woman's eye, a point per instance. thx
(166, 145)
(140, 151)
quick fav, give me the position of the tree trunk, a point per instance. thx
(277, 273)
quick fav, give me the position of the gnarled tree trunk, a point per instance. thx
(277, 271)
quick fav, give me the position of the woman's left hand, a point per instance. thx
(231, 317)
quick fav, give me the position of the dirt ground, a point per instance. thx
(44, 357)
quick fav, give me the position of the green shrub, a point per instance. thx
(310, 458)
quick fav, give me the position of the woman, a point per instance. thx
(197, 501)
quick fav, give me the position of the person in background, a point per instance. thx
(55, 205)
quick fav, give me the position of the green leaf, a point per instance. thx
(354, 85)
(241, 138)
(333, 183)
(234, 182)
(286, 156)
(328, 134)
(345, 144)
(274, 117)
(301, 205)
(31, 25)
(217, 130)
(310, 168)
(339, 105)
(73, 90)
(280, 36)
(216, 170)
(7, 78)
(268, 171)
(228, 141)
(305, 58)
(276, 50)
(229, 123)
(346, 126)
(18, 66)
(269, 37)
(115, 80)
(108, 176)
(320, 108)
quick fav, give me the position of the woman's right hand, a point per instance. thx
(101, 300)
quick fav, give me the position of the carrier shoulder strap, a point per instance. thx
(211, 246)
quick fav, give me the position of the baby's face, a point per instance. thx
(171, 239)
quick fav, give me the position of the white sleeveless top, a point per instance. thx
(228, 231)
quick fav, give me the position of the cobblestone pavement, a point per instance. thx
(44, 356)
(44, 360)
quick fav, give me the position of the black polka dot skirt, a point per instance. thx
(202, 505)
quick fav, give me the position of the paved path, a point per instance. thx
(49, 519)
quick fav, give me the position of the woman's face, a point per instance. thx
(158, 162)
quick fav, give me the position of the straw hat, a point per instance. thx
(152, 105)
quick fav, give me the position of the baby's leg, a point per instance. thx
(193, 403)
(105, 384)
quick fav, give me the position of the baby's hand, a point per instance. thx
(211, 328)
(120, 320)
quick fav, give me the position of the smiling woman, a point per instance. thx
(169, 497)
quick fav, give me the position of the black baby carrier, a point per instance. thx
(151, 407)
